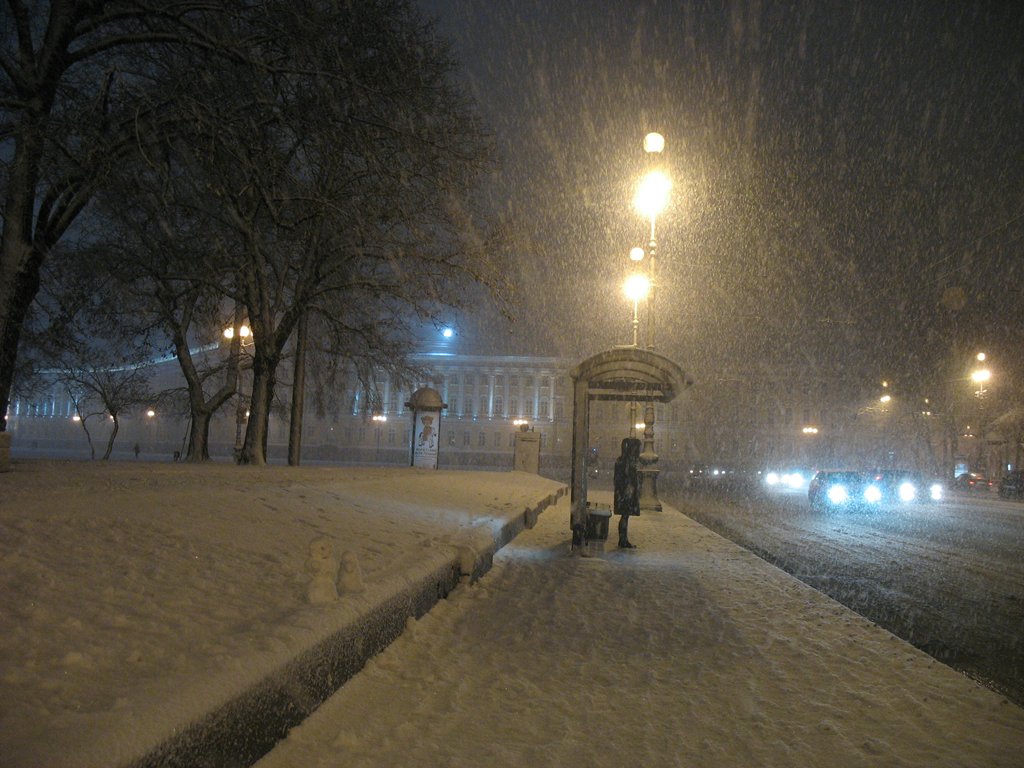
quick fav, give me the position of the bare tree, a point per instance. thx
(345, 174)
(105, 392)
(76, 100)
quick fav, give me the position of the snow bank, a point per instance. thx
(137, 598)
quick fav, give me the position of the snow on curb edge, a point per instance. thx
(244, 729)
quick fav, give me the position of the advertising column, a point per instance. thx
(426, 406)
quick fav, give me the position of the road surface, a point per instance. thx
(946, 577)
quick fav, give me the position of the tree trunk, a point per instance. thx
(199, 436)
(20, 262)
(264, 369)
(110, 442)
(298, 395)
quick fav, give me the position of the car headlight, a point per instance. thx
(772, 478)
(936, 492)
(838, 494)
(872, 494)
(794, 479)
(907, 491)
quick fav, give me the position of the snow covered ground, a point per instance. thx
(686, 652)
(136, 596)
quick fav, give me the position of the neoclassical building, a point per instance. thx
(729, 419)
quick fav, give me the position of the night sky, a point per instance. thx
(849, 177)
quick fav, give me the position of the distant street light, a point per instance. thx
(636, 254)
(243, 333)
(654, 143)
(979, 377)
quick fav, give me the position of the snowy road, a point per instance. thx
(947, 577)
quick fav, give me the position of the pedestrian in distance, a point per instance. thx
(137, 450)
(626, 502)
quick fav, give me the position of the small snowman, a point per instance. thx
(322, 565)
(351, 577)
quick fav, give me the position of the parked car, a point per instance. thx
(898, 486)
(838, 489)
(972, 481)
(1012, 485)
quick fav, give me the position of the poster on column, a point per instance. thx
(425, 439)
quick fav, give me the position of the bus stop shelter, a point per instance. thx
(623, 374)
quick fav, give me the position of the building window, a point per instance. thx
(392, 435)
(453, 406)
(529, 382)
(362, 435)
(497, 439)
(499, 406)
(451, 437)
(513, 381)
(529, 407)
(511, 439)
(483, 406)
(559, 409)
(513, 407)
(544, 413)
(465, 438)
(482, 439)
(499, 381)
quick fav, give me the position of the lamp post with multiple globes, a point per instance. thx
(651, 199)
(242, 410)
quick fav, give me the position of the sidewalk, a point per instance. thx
(688, 652)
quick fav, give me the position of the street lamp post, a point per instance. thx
(982, 376)
(651, 199)
(636, 288)
(242, 410)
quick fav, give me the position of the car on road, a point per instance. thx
(1012, 485)
(972, 481)
(898, 486)
(839, 489)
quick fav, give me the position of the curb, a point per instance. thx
(246, 728)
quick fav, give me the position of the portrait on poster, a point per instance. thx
(425, 440)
